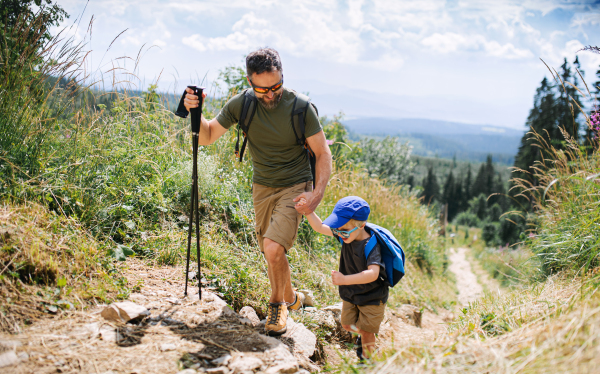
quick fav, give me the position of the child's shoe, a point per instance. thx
(359, 350)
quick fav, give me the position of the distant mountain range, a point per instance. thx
(443, 139)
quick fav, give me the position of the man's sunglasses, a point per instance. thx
(343, 234)
(264, 90)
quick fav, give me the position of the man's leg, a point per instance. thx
(279, 272)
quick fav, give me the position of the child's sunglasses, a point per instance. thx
(343, 234)
(264, 90)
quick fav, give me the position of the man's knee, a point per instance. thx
(273, 250)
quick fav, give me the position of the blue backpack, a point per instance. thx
(392, 253)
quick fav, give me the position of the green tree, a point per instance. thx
(387, 158)
(18, 14)
(568, 105)
(234, 78)
(431, 187)
(484, 181)
(452, 195)
(543, 119)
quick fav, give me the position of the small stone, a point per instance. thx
(174, 300)
(249, 313)
(108, 333)
(288, 367)
(125, 311)
(219, 370)
(192, 275)
(165, 347)
(335, 308)
(409, 314)
(187, 371)
(10, 344)
(245, 363)
(308, 298)
(223, 360)
(8, 358)
(310, 309)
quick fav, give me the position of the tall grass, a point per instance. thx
(566, 197)
(27, 61)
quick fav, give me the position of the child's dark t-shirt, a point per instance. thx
(353, 261)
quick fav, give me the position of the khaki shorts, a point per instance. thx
(276, 217)
(365, 317)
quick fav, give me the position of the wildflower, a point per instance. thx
(531, 235)
(329, 142)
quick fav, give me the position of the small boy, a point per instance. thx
(361, 280)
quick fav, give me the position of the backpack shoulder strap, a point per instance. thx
(370, 245)
(301, 102)
(246, 116)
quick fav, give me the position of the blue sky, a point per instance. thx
(465, 61)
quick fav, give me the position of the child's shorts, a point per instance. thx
(365, 317)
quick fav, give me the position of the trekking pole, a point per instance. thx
(196, 113)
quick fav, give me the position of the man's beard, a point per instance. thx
(271, 104)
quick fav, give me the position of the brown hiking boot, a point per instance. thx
(276, 319)
(298, 302)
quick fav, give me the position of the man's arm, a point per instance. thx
(211, 130)
(319, 146)
(364, 277)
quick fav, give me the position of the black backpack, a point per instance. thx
(298, 125)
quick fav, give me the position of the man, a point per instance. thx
(282, 173)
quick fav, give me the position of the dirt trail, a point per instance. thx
(180, 332)
(206, 336)
(469, 288)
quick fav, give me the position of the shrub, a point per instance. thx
(466, 219)
(489, 233)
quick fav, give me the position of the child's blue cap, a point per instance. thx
(350, 207)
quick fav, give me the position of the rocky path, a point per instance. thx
(469, 288)
(175, 334)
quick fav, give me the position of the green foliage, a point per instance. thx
(431, 188)
(467, 219)
(489, 233)
(234, 78)
(387, 159)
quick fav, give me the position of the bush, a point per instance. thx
(467, 219)
(489, 233)
(387, 159)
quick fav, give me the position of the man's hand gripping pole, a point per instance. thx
(196, 114)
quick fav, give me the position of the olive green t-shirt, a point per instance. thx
(277, 159)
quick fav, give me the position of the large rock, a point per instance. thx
(305, 342)
(125, 311)
(8, 358)
(244, 363)
(288, 367)
(250, 314)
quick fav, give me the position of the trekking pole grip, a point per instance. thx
(196, 112)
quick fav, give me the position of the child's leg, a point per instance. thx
(368, 342)
(369, 320)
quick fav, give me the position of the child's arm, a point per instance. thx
(317, 225)
(315, 222)
(364, 277)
